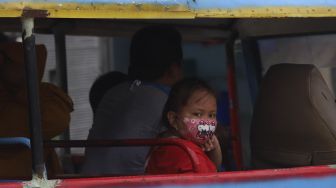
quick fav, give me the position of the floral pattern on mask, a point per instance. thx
(198, 130)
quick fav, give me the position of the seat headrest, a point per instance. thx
(13, 70)
(295, 110)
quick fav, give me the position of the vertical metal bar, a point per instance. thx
(252, 61)
(61, 72)
(33, 97)
(233, 102)
(61, 62)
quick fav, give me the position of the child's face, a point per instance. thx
(201, 105)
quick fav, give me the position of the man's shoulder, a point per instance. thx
(128, 91)
(144, 89)
(153, 90)
(119, 88)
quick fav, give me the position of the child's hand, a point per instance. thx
(213, 150)
(211, 144)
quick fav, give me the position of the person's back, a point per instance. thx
(133, 109)
(133, 117)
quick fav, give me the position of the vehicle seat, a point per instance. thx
(15, 149)
(294, 120)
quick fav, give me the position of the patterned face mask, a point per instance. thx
(198, 130)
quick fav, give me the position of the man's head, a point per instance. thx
(154, 51)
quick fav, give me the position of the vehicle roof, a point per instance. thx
(186, 9)
(213, 19)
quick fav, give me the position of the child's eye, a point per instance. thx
(197, 114)
(212, 115)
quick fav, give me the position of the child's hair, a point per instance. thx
(102, 84)
(180, 94)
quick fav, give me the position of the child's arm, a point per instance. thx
(213, 151)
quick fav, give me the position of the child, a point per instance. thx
(190, 115)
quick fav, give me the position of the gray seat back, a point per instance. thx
(294, 120)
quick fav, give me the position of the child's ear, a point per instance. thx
(172, 117)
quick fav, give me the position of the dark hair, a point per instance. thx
(102, 84)
(153, 50)
(181, 92)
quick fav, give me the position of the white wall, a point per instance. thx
(84, 62)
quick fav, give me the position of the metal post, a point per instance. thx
(233, 102)
(253, 65)
(33, 97)
(61, 62)
(62, 81)
(61, 71)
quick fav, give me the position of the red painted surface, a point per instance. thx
(233, 102)
(189, 179)
(11, 185)
(200, 178)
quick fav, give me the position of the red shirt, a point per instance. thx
(174, 159)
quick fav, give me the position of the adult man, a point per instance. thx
(133, 109)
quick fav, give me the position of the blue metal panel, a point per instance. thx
(224, 4)
(322, 182)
